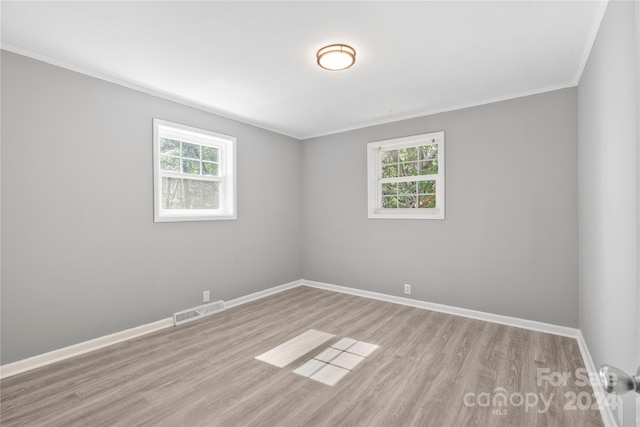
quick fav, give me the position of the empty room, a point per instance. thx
(320, 213)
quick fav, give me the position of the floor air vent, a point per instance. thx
(196, 313)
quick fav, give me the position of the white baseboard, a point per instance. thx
(605, 409)
(34, 362)
(50, 357)
(58, 355)
(473, 314)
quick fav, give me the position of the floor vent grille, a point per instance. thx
(196, 313)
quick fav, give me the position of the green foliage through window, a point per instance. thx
(410, 161)
(194, 174)
(409, 195)
(416, 162)
(185, 157)
(406, 177)
(178, 193)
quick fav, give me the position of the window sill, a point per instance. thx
(191, 217)
(406, 214)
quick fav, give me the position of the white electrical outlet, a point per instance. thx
(407, 289)
(206, 296)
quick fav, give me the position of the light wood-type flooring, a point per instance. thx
(430, 369)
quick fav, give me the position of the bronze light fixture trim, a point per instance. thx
(336, 57)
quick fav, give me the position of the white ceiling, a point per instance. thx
(255, 61)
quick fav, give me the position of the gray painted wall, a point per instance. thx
(508, 244)
(608, 194)
(81, 255)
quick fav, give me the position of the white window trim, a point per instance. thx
(227, 176)
(375, 181)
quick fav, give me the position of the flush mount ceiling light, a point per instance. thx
(336, 57)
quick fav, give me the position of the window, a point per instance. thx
(406, 177)
(194, 173)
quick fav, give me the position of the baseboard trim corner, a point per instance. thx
(605, 410)
(473, 314)
(261, 294)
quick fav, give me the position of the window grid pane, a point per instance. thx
(170, 147)
(190, 151)
(169, 163)
(189, 158)
(409, 161)
(409, 194)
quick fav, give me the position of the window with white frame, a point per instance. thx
(194, 173)
(406, 177)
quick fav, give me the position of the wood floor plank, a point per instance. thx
(205, 373)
